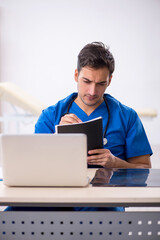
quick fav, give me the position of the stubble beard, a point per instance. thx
(98, 102)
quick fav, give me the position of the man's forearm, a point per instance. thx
(105, 158)
(137, 162)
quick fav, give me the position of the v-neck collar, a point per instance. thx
(82, 115)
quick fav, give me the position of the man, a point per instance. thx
(127, 145)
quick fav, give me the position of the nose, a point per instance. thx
(92, 90)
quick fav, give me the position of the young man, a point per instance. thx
(126, 144)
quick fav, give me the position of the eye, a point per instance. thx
(102, 83)
(86, 81)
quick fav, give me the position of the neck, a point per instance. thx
(86, 108)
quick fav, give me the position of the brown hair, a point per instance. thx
(96, 55)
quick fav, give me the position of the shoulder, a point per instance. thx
(52, 115)
(113, 102)
(126, 113)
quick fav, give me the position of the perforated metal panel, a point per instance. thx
(79, 225)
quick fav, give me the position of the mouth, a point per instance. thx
(91, 98)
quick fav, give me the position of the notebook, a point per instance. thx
(44, 160)
(92, 128)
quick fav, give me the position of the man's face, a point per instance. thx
(92, 84)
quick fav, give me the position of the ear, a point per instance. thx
(76, 75)
(110, 78)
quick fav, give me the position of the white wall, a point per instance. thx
(40, 41)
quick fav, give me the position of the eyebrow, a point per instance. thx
(92, 81)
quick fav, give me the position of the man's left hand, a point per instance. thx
(101, 157)
(106, 159)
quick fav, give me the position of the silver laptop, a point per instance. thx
(44, 160)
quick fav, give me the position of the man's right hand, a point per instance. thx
(69, 119)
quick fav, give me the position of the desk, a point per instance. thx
(80, 225)
(77, 196)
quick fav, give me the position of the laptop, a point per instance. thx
(44, 160)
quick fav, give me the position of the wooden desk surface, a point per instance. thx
(79, 196)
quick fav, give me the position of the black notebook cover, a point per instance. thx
(93, 129)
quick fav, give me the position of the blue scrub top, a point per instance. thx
(125, 134)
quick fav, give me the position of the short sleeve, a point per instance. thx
(137, 143)
(45, 123)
